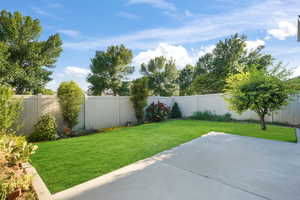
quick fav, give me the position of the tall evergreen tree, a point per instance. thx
(109, 69)
(162, 76)
(139, 90)
(229, 55)
(28, 60)
(185, 79)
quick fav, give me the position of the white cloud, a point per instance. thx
(284, 30)
(76, 71)
(201, 28)
(181, 56)
(203, 51)
(128, 15)
(55, 5)
(40, 11)
(252, 45)
(77, 74)
(69, 32)
(163, 4)
(188, 13)
(53, 85)
(297, 72)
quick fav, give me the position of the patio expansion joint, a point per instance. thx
(219, 181)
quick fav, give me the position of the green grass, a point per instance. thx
(68, 162)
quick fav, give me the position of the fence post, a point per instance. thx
(197, 104)
(39, 105)
(84, 110)
(118, 110)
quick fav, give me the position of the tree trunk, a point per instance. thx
(262, 122)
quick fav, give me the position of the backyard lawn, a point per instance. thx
(68, 162)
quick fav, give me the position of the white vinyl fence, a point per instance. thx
(99, 112)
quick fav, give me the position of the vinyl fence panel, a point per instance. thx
(187, 104)
(99, 112)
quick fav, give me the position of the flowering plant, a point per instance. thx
(157, 112)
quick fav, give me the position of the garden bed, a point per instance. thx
(68, 162)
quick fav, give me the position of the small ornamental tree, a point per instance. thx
(139, 91)
(258, 90)
(175, 112)
(10, 108)
(70, 98)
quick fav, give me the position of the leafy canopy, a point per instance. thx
(124, 90)
(162, 76)
(109, 69)
(25, 62)
(228, 56)
(70, 98)
(261, 91)
(185, 79)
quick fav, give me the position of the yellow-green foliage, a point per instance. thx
(9, 109)
(70, 98)
(258, 90)
(45, 129)
(14, 150)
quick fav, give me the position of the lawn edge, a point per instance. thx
(132, 167)
(297, 136)
(111, 176)
(38, 184)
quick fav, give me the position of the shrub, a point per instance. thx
(14, 183)
(14, 150)
(9, 109)
(157, 112)
(175, 112)
(70, 98)
(139, 96)
(45, 129)
(210, 116)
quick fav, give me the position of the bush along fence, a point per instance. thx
(99, 112)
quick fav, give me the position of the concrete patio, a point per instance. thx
(215, 166)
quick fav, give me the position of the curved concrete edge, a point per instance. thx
(116, 174)
(38, 184)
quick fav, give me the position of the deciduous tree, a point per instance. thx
(261, 91)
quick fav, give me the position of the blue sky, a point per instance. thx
(183, 30)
